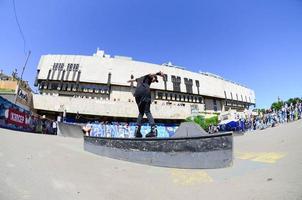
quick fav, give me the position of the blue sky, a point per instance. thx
(257, 43)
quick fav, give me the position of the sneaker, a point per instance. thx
(153, 132)
(137, 133)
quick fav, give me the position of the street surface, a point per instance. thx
(267, 165)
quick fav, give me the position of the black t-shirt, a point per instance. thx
(143, 87)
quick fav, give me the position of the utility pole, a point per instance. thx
(29, 52)
(20, 80)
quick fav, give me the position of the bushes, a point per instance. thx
(203, 122)
(278, 105)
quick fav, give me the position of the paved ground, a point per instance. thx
(267, 165)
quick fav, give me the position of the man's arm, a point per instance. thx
(160, 73)
(152, 74)
(131, 81)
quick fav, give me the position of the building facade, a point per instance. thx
(96, 86)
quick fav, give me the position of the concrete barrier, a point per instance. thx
(69, 130)
(212, 151)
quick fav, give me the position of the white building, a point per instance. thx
(91, 86)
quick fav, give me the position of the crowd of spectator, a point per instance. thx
(271, 117)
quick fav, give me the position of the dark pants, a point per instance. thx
(144, 108)
(55, 130)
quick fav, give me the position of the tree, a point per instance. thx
(203, 122)
(277, 105)
(293, 100)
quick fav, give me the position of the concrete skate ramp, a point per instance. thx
(211, 151)
(70, 130)
(189, 129)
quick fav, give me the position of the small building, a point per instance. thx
(16, 91)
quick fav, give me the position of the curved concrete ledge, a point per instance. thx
(69, 130)
(212, 151)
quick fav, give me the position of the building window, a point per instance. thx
(55, 66)
(225, 95)
(54, 86)
(176, 83)
(75, 67)
(241, 98)
(64, 86)
(58, 66)
(189, 84)
(199, 99)
(61, 67)
(71, 67)
(165, 77)
(215, 104)
(80, 88)
(165, 80)
(231, 95)
(197, 85)
(160, 95)
(237, 97)
(72, 87)
(175, 97)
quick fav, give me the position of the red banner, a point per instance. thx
(16, 117)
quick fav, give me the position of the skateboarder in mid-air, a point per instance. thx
(142, 96)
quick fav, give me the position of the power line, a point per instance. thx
(20, 29)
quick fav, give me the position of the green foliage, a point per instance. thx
(294, 100)
(277, 105)
(203, 122)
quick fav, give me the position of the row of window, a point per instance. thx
(75, 87)
(70, 66)
(64, 75)
(58, 66)
(176, 81)
(246, 99)
(178, 97)
(235, 104)
(73, 67)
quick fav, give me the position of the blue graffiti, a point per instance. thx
(126, 130)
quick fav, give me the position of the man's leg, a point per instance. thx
(141, 108)
(148, 113)
(153, 132)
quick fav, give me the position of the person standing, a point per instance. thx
(44, 125)
(300, 110)
(54, 127)
(142, 96)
